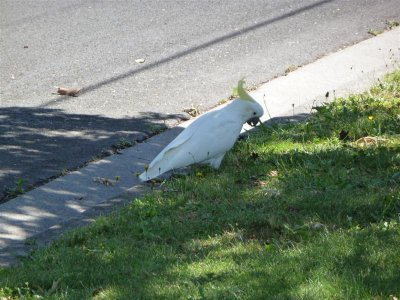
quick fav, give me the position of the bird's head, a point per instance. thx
(252, 110)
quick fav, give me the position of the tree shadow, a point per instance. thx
(58, 135)
(303, 198)
(261, 218)
(38, 144)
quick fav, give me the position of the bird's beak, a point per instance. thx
(253, 121)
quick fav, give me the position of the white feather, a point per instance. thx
(206, 140)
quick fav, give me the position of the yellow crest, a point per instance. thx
(242, 93)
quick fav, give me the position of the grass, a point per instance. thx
(297, 211)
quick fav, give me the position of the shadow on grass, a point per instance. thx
(226, 235)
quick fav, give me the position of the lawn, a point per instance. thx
(307, 210)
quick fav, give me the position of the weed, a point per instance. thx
(156, 128)
(124, 143)
(291, 68)
(374, 32)
(17, 190)
(392, 24)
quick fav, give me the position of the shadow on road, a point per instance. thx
(38, 144)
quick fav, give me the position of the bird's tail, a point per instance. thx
(143, 176)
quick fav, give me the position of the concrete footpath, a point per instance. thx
(39, 216)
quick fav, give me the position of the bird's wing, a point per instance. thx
(183, 137)
(207, 138)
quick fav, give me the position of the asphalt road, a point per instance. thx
(193, 52)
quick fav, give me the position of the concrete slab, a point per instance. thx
(63, 203)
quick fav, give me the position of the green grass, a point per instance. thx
(295, 212)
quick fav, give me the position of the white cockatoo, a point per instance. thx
(207, 138)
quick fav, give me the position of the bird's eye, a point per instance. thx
(254, 113)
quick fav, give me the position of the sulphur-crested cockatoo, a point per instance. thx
(208, 138)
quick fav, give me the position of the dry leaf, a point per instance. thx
(367, 141)
(273, 173)
(262, 183)
(105, 181)
(68, 91)
(193, 111)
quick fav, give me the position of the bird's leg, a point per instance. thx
(215, 162)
